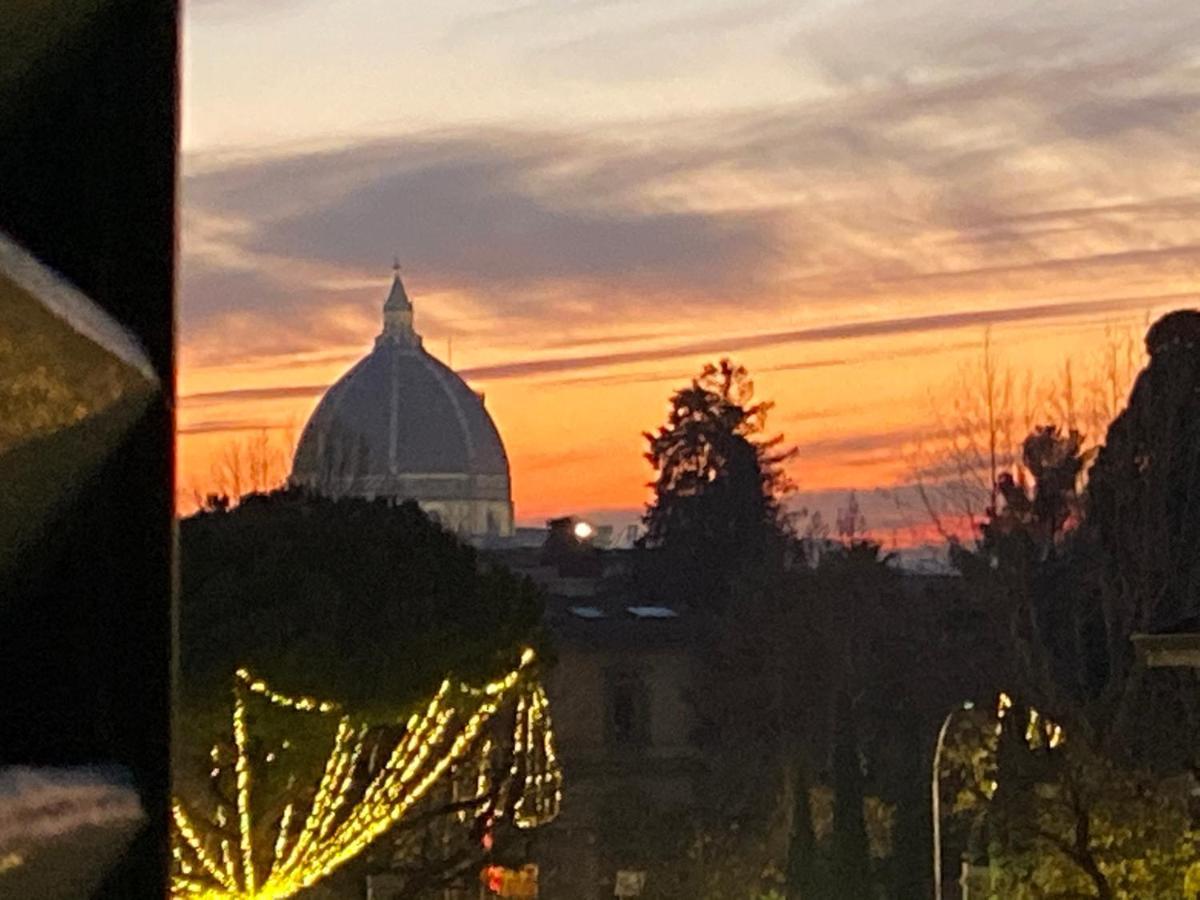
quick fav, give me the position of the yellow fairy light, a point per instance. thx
(316, 812)
(304, 704)
(337, 828)
(281, 840)
(1003, 705)
(242, 772)
(227, 860)
(184, 826)
(1038, 729)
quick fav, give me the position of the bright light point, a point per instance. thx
(583, 530)
(968, 704)
(11, 861)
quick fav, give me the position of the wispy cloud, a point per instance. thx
(231, 426)
(478, 210)
(852, 447)
(903, 169)
(269, 393)
(878, 328)
(970, 319)
(648, 43)
(944, 169)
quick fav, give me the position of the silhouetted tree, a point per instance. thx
(783, 632)
(715, 542)
(802, 870)
(851, 854)
(912, 834)
(775, 661)
(1024, 561)
(978, 423)
(1065, 602)
(716, 506)
(253, 465)
(1144, 490)
(1069, 598)
(1140, 552)
(1037, 514)
(365, 602)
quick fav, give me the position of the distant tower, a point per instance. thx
(403, 425)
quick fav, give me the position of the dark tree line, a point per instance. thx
(821, 672)
(830, 670)
(365, 601)
(1070, 575)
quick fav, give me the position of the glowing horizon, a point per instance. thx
(592, 199)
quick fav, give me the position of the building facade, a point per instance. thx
(624, 722)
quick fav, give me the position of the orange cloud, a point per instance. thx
(847, 236)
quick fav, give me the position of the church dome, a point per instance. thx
(403, 425)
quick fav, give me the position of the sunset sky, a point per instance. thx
(592, 198)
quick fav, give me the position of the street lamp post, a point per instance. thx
(936, 798)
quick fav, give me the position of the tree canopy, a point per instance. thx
(1144, 489)
(718, 489)
(820, 671)
(1068, 577)
(367, 602)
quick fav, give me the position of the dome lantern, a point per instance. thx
(398, 314)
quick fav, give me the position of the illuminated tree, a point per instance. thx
(492, 746)
(1057, 820)
(370, 602)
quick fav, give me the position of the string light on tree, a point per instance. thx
(345, 816)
